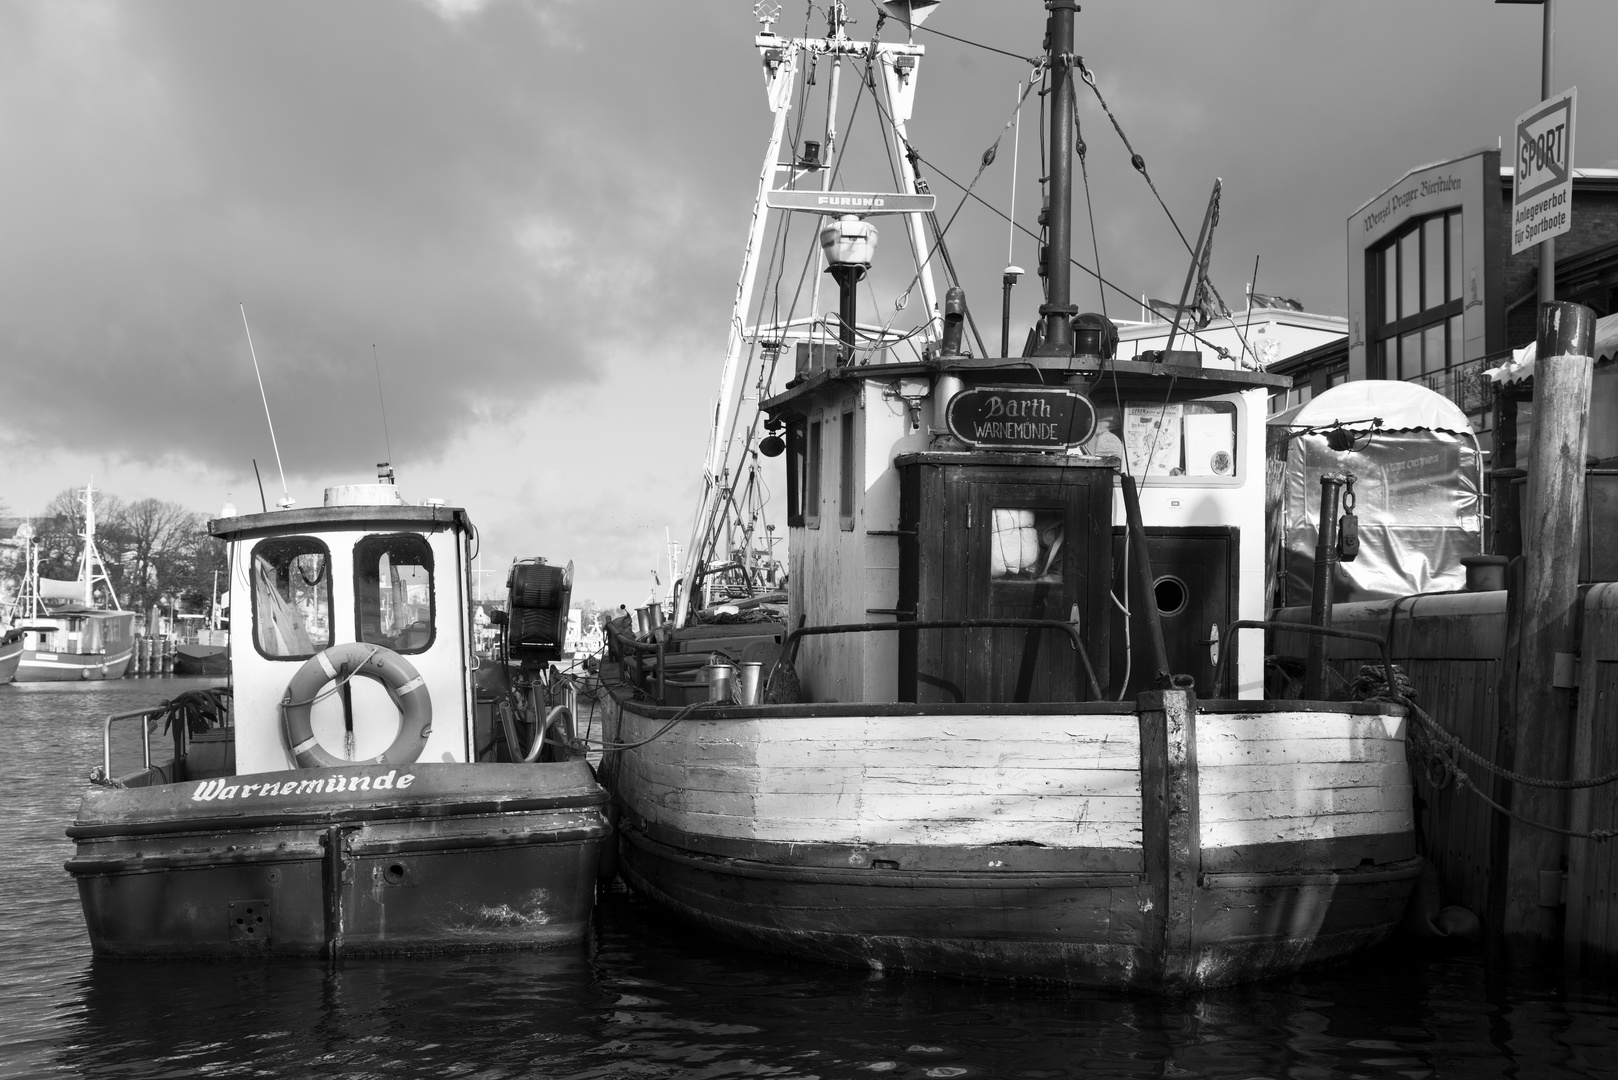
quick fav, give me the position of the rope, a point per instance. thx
(335, 685)
(1371, 685)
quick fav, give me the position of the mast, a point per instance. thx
(91, 559)
(1058, 310)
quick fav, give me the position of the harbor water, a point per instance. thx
(648, 998)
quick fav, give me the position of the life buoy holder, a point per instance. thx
(342, 662)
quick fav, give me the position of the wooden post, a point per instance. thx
(1543, 720)
(1170, 830)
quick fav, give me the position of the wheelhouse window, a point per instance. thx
(291, 582)
(1415, 280)
(393, 592)
(1194, 439)
(1025, 545)
(797, 435)
(811, 485)
(846, 472)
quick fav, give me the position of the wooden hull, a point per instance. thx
(10, 655)
(38, 666)
(202, 660)
(1170, 848)
(467, 857)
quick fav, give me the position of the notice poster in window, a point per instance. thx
(1210, 444)
(1152, 439)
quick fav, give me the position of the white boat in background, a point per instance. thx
(79, 640)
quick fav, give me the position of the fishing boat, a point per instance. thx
(78, 639)
(362, 787)
(1014, 723)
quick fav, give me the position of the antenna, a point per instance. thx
(286, 499)
(386, 440)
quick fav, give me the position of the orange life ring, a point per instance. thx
(403, 684)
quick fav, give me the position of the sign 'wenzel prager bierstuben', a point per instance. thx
(1020, 418)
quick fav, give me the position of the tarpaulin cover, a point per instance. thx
(1418, 497)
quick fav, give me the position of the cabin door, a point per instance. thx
(1194, 572)
(1004, 543)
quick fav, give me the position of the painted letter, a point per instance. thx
(385, 780)
(208, 790)
(335, 783)
(360, 783)
(406, 780)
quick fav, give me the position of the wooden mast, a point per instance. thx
(1057, 311)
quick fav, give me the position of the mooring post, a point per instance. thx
(1543, 717)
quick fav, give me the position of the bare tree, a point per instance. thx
(158, 540)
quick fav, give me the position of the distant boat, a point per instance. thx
(195, 659)
(81, 641)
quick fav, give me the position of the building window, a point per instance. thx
(845, 490)
(1415, 277)
(393, 592)
(811, 483)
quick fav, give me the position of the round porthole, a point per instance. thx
(1171, 595)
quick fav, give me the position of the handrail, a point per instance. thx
(1305, 628)
(789, 643)
(145, 735)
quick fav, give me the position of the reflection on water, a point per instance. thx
(646, 997)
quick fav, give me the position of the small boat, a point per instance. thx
(79, 640)
(191, 658)
(352, 793)
(1014, 723)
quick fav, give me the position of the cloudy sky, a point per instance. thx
(529, 215)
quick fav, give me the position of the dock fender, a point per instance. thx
(397, 676)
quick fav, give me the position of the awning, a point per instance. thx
(1521, 364)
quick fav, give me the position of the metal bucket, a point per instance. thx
(752, 677)
(721, 680)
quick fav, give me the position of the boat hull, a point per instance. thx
(10, 656)
(201, 660)
(1068, 846)
(465, 857)
(38, 666)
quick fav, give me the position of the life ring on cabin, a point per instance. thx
(403, 684)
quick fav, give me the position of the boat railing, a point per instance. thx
(790, 644)
(1303, 628)
(145, 736)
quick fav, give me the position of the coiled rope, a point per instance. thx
(1439, 751)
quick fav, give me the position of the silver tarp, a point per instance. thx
(1418, 499)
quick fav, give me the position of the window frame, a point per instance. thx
(797, 438)
(813, 456)
(1385, 334)
(432, 588)
(252, 580)
(846, 459)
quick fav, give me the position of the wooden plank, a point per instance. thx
(1228, 753)
(1298, 725)
(947, 782)
(1272, 830)
(974, 832)
(1256, 806)
(1231, 779)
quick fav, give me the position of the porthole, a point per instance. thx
(1171, 595)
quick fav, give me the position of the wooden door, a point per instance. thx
(1006, 543)
(1195, 588)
